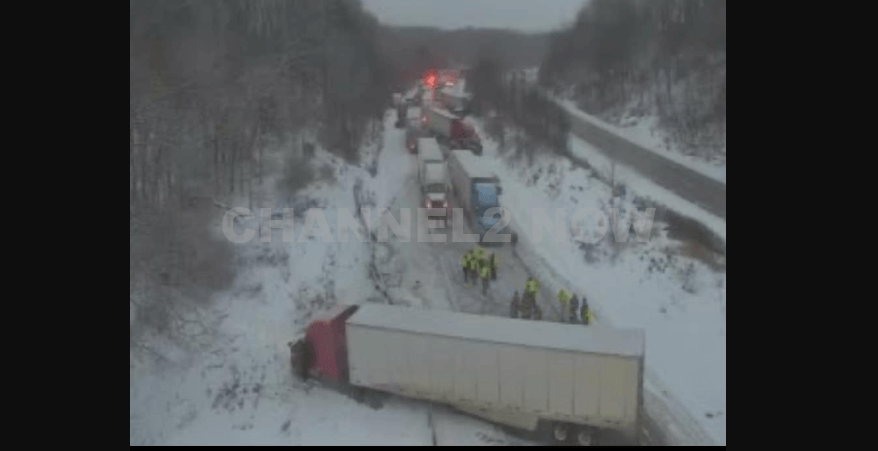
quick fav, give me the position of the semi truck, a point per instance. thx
(451, 129)
(433, 178)
(476, 191)
(454, 101)
(566, 382)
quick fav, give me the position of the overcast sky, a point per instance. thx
(524, 15)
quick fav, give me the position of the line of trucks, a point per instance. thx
(565, 383)
(476, 191)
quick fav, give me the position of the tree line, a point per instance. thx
(669, 54)
(509, 98)
(210, 79)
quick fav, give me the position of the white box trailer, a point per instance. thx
(575, 379)
(428, 151)
(433, 178)
(454, 100)
(465, 169)
(478, 192)
(439, 120)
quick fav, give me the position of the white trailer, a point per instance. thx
(451, 130)
(465, 169)
(569, 379)
(433, 178)
(454, 100)
(439, 120)
(428, 151)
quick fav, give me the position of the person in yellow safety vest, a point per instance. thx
(585, 312)
(473, 268)
(485, 272)
(464, 263)
(479, 252)
(493, 260)
(526, 307)
(529, 300)
(532, 287)
(564, 298)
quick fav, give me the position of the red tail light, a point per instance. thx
(444, 204)
(427, 203)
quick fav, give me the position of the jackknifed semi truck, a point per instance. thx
(450, 129)
(564, 382)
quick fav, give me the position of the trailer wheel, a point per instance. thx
(585, 436)
(560, 432)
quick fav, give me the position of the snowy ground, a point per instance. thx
(678, 301)
(236, 387)
(642, 131)
(645, 187)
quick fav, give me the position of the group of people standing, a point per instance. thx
(573, 309)
(478, 265)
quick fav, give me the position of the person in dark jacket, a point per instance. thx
(574, 309)
(514, 306)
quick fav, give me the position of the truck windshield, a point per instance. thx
(435, 188)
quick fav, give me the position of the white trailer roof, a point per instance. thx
(456, 93)
(594, 339)
(471, 164)
(443, 112)
(435, 172)
(428, 149)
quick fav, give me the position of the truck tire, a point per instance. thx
(585, 436)
(561, 433)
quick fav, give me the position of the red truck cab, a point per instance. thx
(322, 352)
(464, 136)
